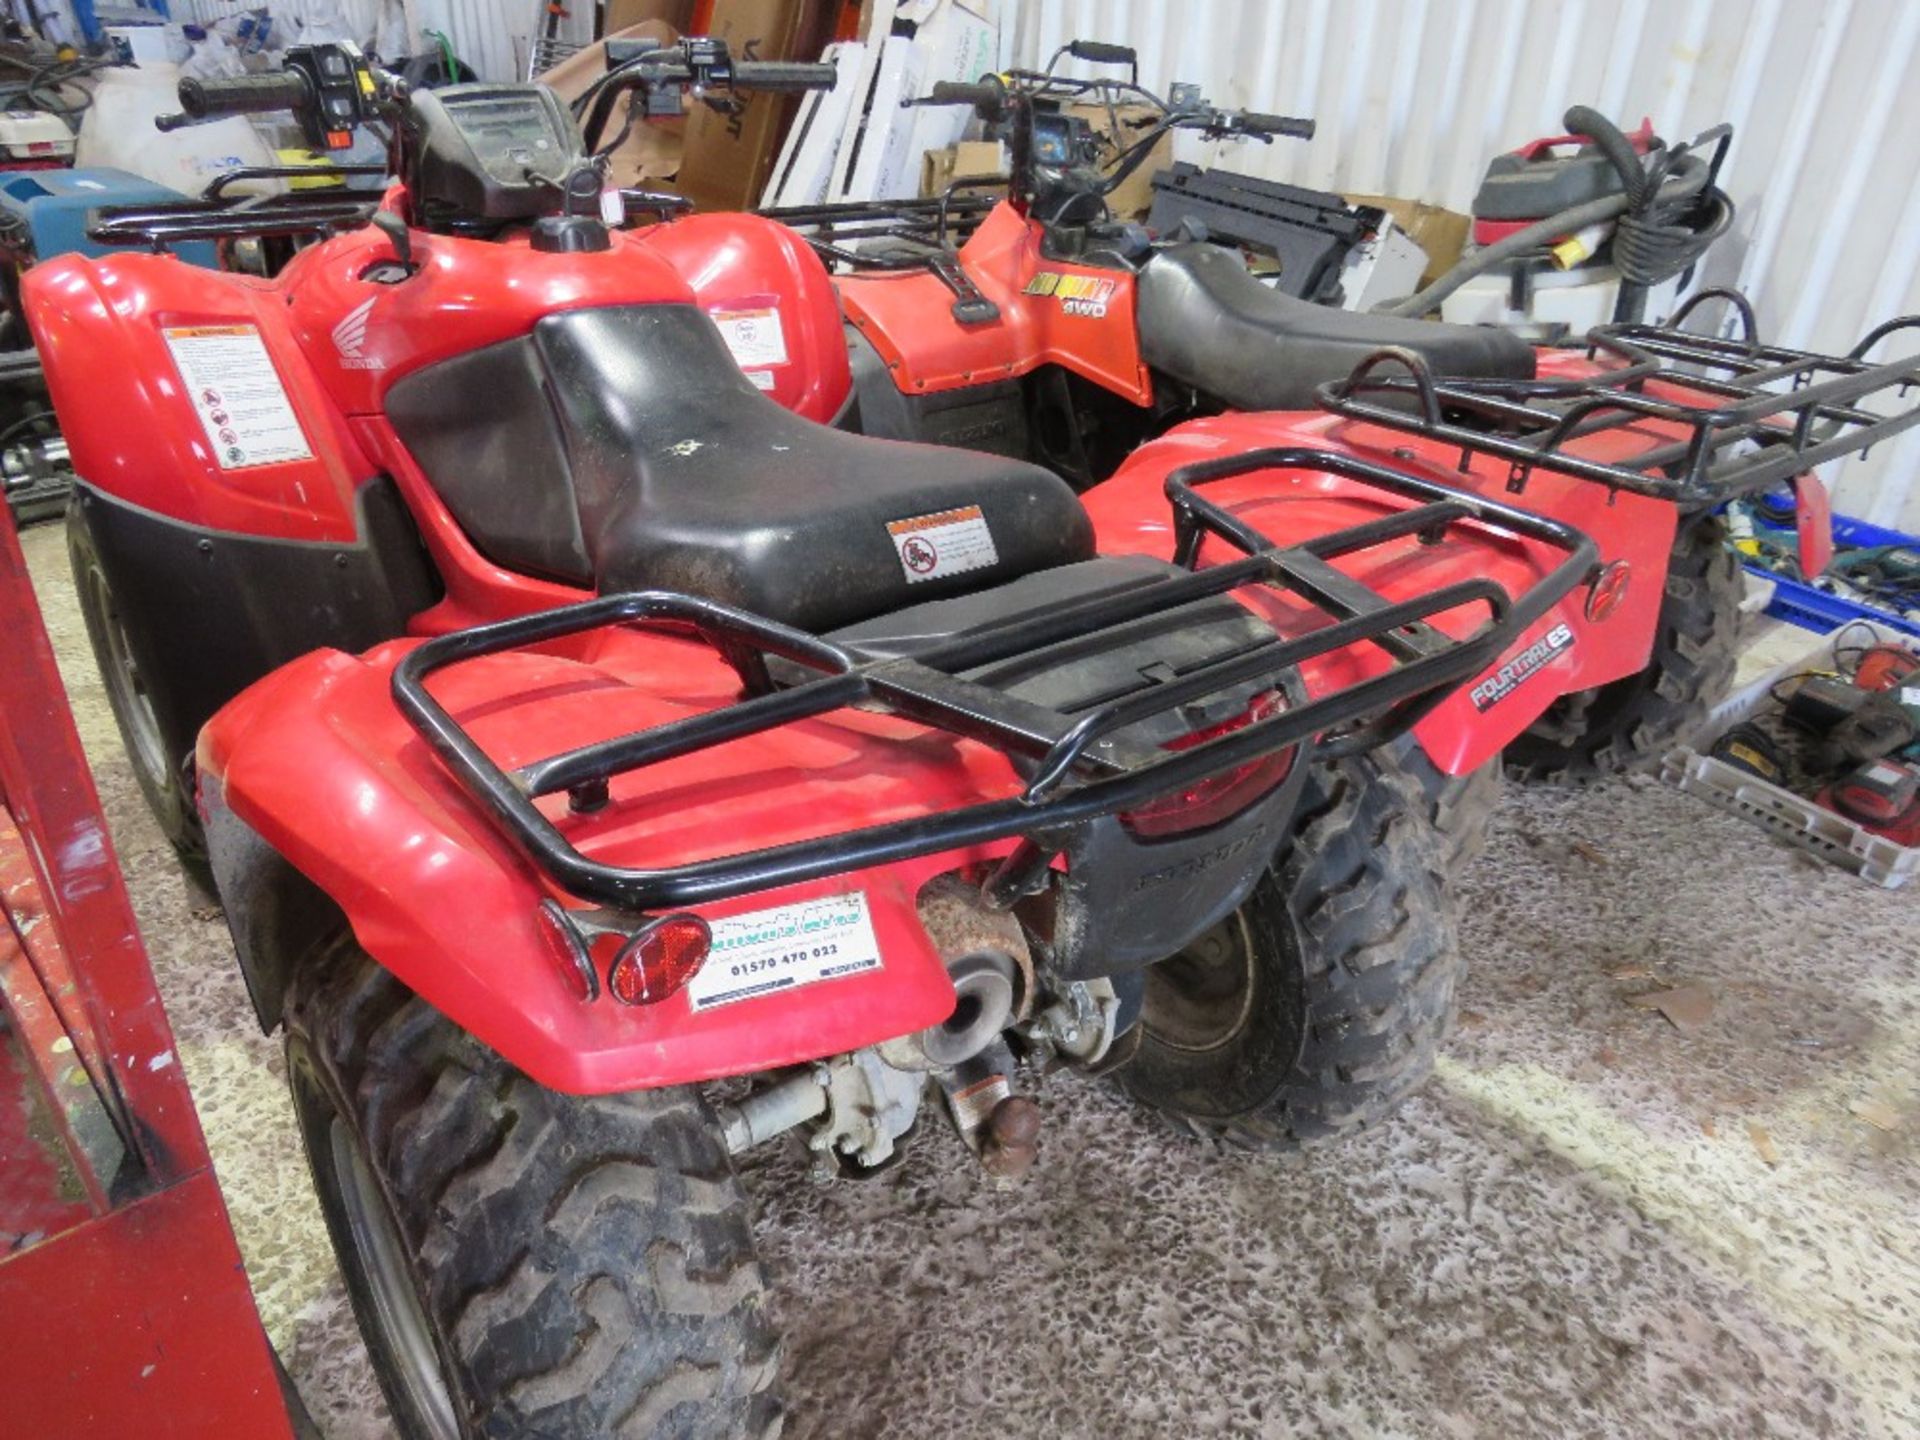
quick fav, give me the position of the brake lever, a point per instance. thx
(1225, 125)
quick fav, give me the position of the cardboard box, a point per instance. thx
(621, 14)
(967, 160)
(1442, 233)
(1134, 198)
(729, 154)
(651, 151)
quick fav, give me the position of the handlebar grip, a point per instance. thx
(1585, 120)
(244, 94)
(1101, 53)
(985, 95)
(1254, 123)
(782, 75)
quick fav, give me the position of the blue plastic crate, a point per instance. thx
(1816, 610)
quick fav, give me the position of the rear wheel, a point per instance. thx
(1459, 807)
(1320, 1004)
(523, 1262)
(162, 775)
(1629, 723)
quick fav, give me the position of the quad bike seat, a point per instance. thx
(623, 448)
(1206, 321)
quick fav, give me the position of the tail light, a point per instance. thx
(658, 959)
(1218, 797)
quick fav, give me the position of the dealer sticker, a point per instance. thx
(230, 380)
(754, 336)
(784, 948)
(947, 543)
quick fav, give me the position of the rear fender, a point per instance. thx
(320, 801)
(1564, 651)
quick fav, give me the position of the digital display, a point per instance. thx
(508, 133)
(1052, 140)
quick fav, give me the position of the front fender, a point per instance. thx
(315, 770)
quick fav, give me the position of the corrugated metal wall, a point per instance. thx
(1413, 96)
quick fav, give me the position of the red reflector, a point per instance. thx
(569, 950)
(1218, 797)
(1609, 589)
(656, 961)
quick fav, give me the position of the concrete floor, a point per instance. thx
(1591, 1224)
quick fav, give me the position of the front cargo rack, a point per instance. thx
(892, 234)
(1784, 412)
(217, 215)
(1079, 767)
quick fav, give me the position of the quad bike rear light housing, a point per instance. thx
(1220, 797)
(1078, 767)
(1785, 410)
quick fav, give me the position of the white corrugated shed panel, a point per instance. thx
(1414, 96)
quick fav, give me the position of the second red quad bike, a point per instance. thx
(1041, 327)
(570, 721)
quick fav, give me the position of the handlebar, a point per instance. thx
(987, 96)
(782, 75)
(1099, 52)
(1255, 123)
(238, 95)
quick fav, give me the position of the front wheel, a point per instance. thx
(162, 774)
(1320, 1004)
(523, 1262)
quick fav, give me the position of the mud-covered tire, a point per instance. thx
(162, 775)
(576, 1267)
(1320, 1005)
(1459, 807)
(1629, 723)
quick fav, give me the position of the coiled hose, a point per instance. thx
(50, 85)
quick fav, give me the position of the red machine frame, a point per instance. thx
(124, 1307)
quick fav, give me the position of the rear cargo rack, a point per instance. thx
(1785, 410)
(1079, 766)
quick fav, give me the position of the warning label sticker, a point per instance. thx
(786, 947)
(754, 336)
(236, 392)
(931, 546)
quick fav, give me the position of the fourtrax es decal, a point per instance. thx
(1078, 294)
(1529, 662)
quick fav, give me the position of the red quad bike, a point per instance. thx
(1058, 335)
(571, 720)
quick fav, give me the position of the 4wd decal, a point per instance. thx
(1078, 294)
(1510, 676)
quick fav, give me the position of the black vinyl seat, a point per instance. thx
(1205, 321)
(644, 459)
